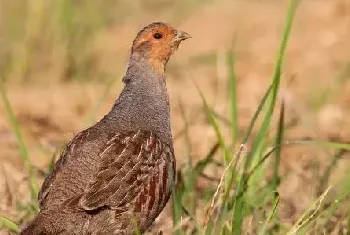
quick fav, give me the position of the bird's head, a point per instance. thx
(156, 43)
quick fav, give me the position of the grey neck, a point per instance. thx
(143, 103)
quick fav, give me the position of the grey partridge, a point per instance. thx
(117, 176)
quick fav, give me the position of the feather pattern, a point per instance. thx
(133, 179)
(119, 173)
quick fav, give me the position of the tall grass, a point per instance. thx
(243, 193)
(22, 149)
(23, 153)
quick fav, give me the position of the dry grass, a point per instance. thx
(62, 76)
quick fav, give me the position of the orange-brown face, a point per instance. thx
(157, 42)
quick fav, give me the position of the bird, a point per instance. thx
(116, 176)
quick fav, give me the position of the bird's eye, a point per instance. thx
(157, 35)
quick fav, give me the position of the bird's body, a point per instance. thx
(116, 176)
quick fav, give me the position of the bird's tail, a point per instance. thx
(28, 230)
(53, 222)
(39, 226)
(32, 229)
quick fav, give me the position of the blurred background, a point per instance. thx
(61, 63)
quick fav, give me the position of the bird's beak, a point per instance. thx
(180, 36)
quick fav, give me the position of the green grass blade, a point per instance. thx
(15, 125)
(236, 201)
(228, 177)
(325, 177)
(329, 144)
(8, 224)
(23, 152)
(259, 141)
(176, 210)
(237, 215)
(256, 114)
(202, 164)
(233, 95)
(294, 143)
(135, 225)
(190, 176)
(214, 124)
(238, 210)
(279, 139)
(320, 143)
(272, 214)
(335, 145)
